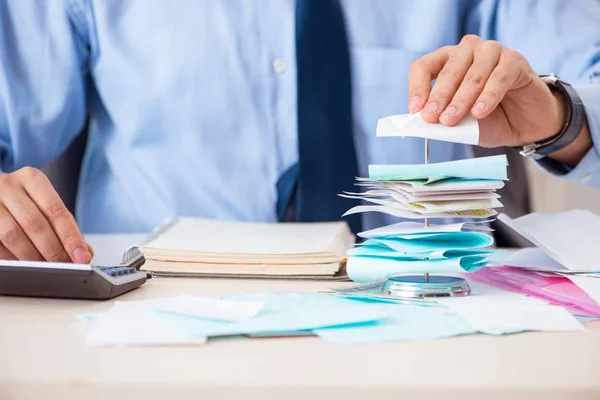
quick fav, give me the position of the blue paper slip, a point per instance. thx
(406, 322)
(368, 269)
(493, 167)
(282, 313)
(382, 252)
(430, 242)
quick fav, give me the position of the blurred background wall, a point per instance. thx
(549, 194)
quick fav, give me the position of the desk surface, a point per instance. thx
(42, 355)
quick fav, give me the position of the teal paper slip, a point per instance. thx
(405, 322)
(493, 167)
(431, 242)
(282, 313)
(369, 269)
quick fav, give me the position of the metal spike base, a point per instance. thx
(415, 286)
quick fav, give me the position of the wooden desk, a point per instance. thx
(43, 356)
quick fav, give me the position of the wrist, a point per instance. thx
(565, 124)
(574, 152)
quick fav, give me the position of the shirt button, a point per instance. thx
(279, 66)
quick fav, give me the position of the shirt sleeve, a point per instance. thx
(559, 36)
(43, 54)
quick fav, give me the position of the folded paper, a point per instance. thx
(466, 131)
(568, 237)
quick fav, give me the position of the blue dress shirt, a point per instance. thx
(192, 103)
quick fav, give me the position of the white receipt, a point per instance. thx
(500, 315)
(466, 131)
(589, 284)
(132, 326)
(569, 237)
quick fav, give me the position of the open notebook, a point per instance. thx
(213, 248)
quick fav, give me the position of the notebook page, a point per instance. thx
(230, 237)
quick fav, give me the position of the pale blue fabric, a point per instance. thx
(191, 114)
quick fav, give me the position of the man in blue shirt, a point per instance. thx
(193, 105)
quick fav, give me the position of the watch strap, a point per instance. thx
(572, 129)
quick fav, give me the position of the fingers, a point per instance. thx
(420, 75)
(14, 239)
(485, 60)
(447, 83)
(36, 227)
(91, 250)
(5, 254)
(512, 72)
(471, 77)
(63, 223)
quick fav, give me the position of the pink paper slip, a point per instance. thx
(549, 287)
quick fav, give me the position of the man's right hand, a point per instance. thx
(35, 225)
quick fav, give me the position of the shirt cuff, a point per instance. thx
(587, 172)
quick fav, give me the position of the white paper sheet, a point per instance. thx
(497, 315)
(210, 308)
(128, 327)
(589, 284)
(426, 207)
(455, 185)
(406, 228)
(571, 238)
(109, 249)
(466, 131)
(396, 212)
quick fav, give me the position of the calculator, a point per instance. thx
(64, 280)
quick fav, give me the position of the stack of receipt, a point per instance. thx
(459, 189)
(464, 188)
(411, 247)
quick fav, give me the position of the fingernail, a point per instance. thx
(450, 110)
(480, 105)
(415, 101)
(81, 256)
(431, 107)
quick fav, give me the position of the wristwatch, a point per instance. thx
(540, 150)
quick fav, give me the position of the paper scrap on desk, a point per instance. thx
(492, 167)
(535, 259)
(466, 131)
(550, 287)
(496, 315)
(405, 322)
(135, 328)
(589, 284)
(569, 237)
(286, 313)
(210, 308)
(141, 323)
